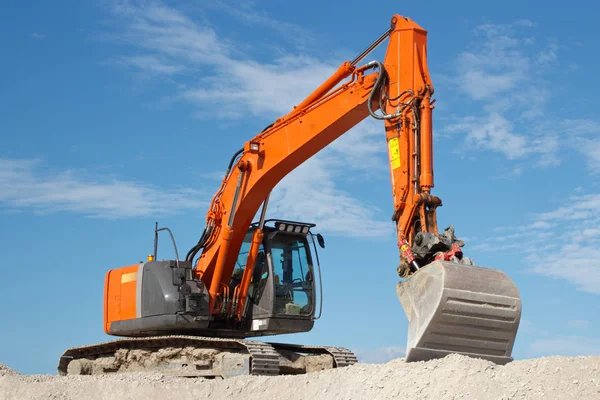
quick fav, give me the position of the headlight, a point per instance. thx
(290, 228)
(297, 229)
(305, 230)
(281, 227)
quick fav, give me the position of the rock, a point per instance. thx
(4, 370)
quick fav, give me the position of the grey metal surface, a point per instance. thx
(161, 296)
(172, 241)
(341, 356)
(276, 326)
(160, 324)
(454, 308)
(138, 291)
(230, 365)
(265, 360)
(235, 366)
(371, 47)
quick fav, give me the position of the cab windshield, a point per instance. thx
(292, 274)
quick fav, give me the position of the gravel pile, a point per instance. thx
(4, 370)
(454, 377)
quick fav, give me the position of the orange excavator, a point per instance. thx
(244, 279)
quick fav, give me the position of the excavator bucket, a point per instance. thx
(457, 308)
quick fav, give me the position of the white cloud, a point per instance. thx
(494, 65)
(380, 355)
(563, 243)
(245, 12)
(504, 73)
(578, 264)
(249, 87)
(584, 136)
(309, 193)
(165, 32)
(38, 36)
(548, 55)
(235, 85)
(525, 22)
(591, 149)
(492, 132)
(26, 185)
(362, 148)
(151, 64)
(492, 73)
(582, 207)
(540, 225)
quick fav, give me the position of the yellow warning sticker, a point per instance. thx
(129, 277)
(394, 153)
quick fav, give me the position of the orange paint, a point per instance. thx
(426, 145)
(120, 295)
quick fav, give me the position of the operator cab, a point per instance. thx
(282, 297)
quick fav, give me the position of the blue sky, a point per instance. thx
(114, 115)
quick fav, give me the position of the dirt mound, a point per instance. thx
(4, 370)
(453, 377)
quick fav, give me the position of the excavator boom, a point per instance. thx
(401, 89)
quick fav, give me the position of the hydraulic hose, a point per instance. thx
(381, 78)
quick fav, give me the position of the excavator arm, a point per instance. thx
(400, 89)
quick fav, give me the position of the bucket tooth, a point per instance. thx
(457, 308)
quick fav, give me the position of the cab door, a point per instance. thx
(285, 285)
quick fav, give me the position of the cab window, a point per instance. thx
(292, 275)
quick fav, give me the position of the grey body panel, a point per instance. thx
(277, 326)
(169, 300)
(138, 291)
(159, 324)
(201, 326)
(165, 288)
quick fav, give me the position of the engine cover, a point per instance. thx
(154, 297)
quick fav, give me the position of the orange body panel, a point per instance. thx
(120, 295)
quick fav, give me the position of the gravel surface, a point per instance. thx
(4, 370)
(454, 377)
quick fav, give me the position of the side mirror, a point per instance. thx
(321, 240)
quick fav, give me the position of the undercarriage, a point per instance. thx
(193, 356)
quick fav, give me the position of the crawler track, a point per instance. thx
(178, 355)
